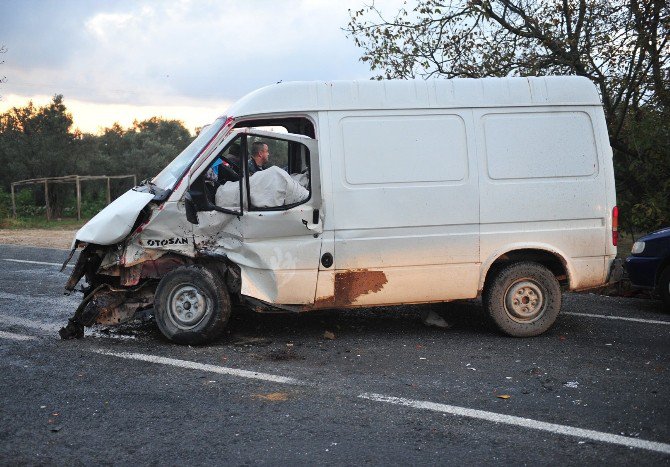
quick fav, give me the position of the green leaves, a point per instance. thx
(623, 46)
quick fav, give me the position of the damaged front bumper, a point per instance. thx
(111, 298)
(107, 305)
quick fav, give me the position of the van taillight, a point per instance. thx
(615, 225)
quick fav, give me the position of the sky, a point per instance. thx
(121, 60)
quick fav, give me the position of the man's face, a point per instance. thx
(264, 154)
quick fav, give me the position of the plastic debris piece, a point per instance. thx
(431, 318)
(329, 335)
(503, 396)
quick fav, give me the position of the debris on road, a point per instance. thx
(245, 341)
(503, 396)
(273, 396)
(571, 384)
(283, 355)
(430, 318)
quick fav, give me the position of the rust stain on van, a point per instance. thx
(351, 284)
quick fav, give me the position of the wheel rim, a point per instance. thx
(187, 306)
(525, 301)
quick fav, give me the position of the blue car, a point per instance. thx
(648, 265)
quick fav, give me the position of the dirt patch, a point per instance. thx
(43, 238)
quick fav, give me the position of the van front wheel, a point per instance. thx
(523, 299)
(191, 305)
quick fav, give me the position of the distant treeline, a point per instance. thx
(39, 142)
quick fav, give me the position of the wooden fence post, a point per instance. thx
(13, 202)
(46, 199)
(109, 192)
(78, 198)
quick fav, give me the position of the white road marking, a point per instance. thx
(622, 318)
(201, 366)
(426, 405)
(28, 323)
(34, 247)
(523, 422)
(36, 262)
(56, 302)
(16, 337)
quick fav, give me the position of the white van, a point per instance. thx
(379, 193)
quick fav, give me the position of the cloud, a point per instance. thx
(179, 54)
(104, 23)
(148, 52)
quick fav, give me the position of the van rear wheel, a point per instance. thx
(523, 299)
(191, 305)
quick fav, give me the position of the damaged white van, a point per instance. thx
(375, 193)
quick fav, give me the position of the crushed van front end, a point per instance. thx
(117, 272)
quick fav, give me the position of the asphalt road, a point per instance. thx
(386, 390)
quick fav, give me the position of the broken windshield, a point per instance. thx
(174, 170)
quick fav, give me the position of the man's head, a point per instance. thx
(260, 152)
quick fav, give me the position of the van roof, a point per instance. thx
(308, 96)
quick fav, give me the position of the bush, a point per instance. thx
(5, 204)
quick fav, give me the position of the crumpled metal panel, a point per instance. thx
(278, 266)
(277, 251)
(114, 223)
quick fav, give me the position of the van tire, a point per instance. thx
(191, 305)
(522, 299)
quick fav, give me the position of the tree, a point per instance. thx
(37, 142)
(3, 50)
(621, 45)
(144, 149)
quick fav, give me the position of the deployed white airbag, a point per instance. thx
(268, 188)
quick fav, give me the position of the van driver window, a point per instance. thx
(225, 171)
(277, 175)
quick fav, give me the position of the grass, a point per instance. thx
(21, 223)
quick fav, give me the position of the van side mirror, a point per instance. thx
(191, 210)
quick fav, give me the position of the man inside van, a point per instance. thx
(260, 154)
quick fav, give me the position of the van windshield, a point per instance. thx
(170, 174)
